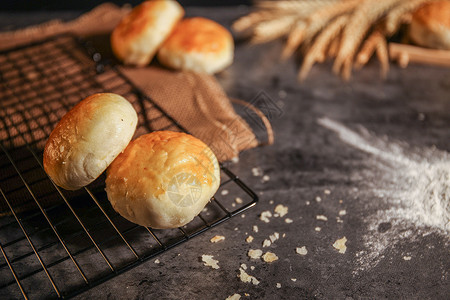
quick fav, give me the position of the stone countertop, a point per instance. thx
(358, 154)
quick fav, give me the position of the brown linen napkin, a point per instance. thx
(196, 101)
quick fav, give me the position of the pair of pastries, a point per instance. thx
(162, 179)
(156, 28)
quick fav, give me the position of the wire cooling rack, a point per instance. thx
(56, 243)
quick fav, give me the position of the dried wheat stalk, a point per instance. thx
(350, 31)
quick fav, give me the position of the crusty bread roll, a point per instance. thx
(88, 138)
(430, 25)
(199, 45)
(163, 179)
(137, 37)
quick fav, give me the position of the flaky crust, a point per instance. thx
(199, 45)
(430, 25)
(163, 179)
(137, 37)
(88, 138)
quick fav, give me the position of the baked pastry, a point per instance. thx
(88, 138)
(139, 34)
(163, 179)
(430, 25)
(199, 45)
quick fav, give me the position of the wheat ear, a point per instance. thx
(294, 39)
(250, 20)
(360, 22)
(317, 51)
(368, 48)
(269, 30)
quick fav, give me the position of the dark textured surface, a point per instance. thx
(410, 108)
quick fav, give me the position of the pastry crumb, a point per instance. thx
(340, 245)
(266, 243)
(238, 200)
(246, 294)
(265, 178)
(249, 239)
(217, 238)
(269, 257)
(255, 228)
(210, 262)
(254, 253)
(233, 204)
(407, 257)
(288, 220)
(321, 217)
(278, 285)
(281, 210)
(317, 229)
(257, 171)
(327, 192)
(301, 250)
(243, 216)
(265, 215)
(244, 266)
(294, 279)
(341, 201)
(273, 237)
(307, 203)
(224, 192)
(318, 199)
(252, 268)
(246, 277)
(342, 212)
(271, 202)
(156, 261)
(234, 297)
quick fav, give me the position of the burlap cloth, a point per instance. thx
(196, 101)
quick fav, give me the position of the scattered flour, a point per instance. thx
(415, 183)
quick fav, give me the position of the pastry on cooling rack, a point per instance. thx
(430, 25)
(88, 138)
(162, 179)
(199, 45)
(139, 34)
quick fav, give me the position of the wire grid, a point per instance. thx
(56, 243)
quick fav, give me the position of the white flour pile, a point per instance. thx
(417, 185)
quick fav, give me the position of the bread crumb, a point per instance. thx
(249, 239)
(265, 215)
(284, 234)
(254, 253)
(224, 192)
(294, 279)
(327, 192)
(238, 200)
(269, 257)
(322, 218)
(255, 228)
(281, 210)
(275, 236)
(266, 243)
(217, 238)
(342, 212)
(317, 229)
(243, 216)
(265, 178)
(156, 261)
(340, 245)
(247, 278)
(210, 262)
(246, 294)
(257, 171)
(301, 250)
(271, 202)
(307, 203)
(318, 199)
(339, 220)
(289, 221)
(236, 229)
(252, 268)
(279, 285)
(244, 266)
(234, 297)
(233, 204)
(407, 257)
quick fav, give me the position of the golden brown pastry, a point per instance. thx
(163, 179)
(88, 138)
(199, 45)
(430, 25)
(139, 34)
